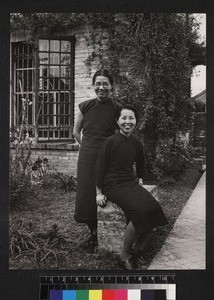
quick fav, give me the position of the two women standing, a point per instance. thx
(114, 179)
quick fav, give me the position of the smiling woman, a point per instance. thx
(96, 120)
(102, 87)
(127, 120)
(116, 181)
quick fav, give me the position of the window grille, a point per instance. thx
(23, 85)
(43, 87)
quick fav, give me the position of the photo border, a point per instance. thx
(24, 284)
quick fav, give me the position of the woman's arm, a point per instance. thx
(101, 168)
(78, 126)
(140, 163)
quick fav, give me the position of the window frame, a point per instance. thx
(59, 139)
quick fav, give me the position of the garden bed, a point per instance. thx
(44, 235)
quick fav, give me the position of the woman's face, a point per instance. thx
(126, 121)
(102, 87)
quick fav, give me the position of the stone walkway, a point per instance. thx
(184, 248)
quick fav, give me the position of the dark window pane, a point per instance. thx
(65, 84)
(67, 97)
(30, 79)
(43, 84)
(67, 121)
(25, 81)
(19, 63)
(45, 120)
(67, 106)
(40, 120)
(66, 134)
(45, 108)
(54, 83)
(30, 63)
(65, 71)
(62, 97)
(25, 63)
(43, 71)
(62, 109)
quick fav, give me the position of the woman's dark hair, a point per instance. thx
(103, 72)
(129, 107)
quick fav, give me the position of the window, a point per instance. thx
(42, 88)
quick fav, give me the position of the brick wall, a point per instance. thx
(63, 157)
(83, 88)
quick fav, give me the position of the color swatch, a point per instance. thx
(116, 294)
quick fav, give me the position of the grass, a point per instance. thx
(44, 235)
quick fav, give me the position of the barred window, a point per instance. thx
(42, 88)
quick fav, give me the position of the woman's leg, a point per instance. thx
(92, 242)
(140, 241)
(130, 237)
(92, 225)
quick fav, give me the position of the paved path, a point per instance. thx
(184, 248)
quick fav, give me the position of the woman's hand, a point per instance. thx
(140, 181)
(78, 127)
(101, 200)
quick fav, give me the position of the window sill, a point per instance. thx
(53, 146)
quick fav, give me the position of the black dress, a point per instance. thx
(98, 124)
(115, 176)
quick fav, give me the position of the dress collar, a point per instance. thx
(124, 136)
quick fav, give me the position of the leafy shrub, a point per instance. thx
(172, 158)
(26, 176)
(20, 182)
(39, 172)
(68, 182)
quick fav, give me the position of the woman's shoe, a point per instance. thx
(90, 245)
(140, 261)
(129, 263)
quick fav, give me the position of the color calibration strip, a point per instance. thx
(108, 287)
(108, 294)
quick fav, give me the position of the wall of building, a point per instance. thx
(63, 157)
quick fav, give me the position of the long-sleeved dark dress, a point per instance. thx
(99, 122)
(116, 178)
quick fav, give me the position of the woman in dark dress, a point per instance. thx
(116, 181)
(96, 120)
